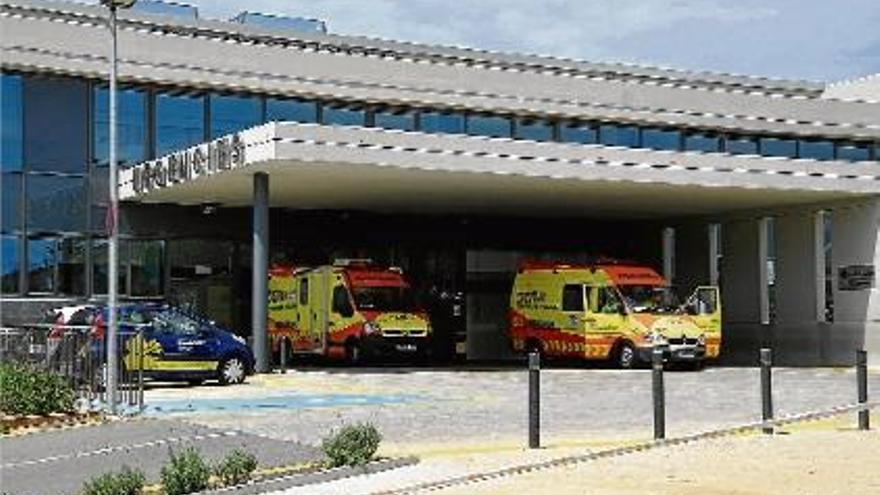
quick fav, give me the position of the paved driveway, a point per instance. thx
(419, 410)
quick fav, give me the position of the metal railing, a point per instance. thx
(79, 354)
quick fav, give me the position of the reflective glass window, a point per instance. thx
(395, 119)
(291, 110)
(56, 124)
(180, 121)
(614, 135)
(233, 113)
(438, 122)
(145, 260)
(485, 125)
(578, 133)
(778, 147)
(661, 139)
(10, 256)
(741, 146)
(56, 203)
(341, 115)
(131, 133)
(41, 261)
(12, 122)
(852, 152)
(535, 130)
(817, 150)
(72, 266)
(702, 142)
(99, 266)
(11, 202)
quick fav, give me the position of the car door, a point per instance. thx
(605, 321)
(187, 343)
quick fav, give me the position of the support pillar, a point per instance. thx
(743, 288)
(669, 254)
(260, 274)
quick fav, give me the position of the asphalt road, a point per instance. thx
(60, 461)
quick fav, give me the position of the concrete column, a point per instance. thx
(800, 269)
(714, 248)
(668, 253)
(260, 293)
(854, 241)
(743, 286)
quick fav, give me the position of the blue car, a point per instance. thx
(170, 344)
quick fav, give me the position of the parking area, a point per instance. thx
(424, 410)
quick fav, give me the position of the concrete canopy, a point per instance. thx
(324, 167)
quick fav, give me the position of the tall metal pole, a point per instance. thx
(112, 223)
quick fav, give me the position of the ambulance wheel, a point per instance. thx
(354, 355)
(231, 370)
(625, 357)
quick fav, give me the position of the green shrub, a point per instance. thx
(236, 468)
(352, 445)
(125, 482)
(27, 390)
(185, 473)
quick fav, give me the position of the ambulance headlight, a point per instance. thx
(656, 338)
(701, 340)
(372, 328)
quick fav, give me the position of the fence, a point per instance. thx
(79, 354)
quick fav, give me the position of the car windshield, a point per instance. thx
(394, 298)
(649, 299)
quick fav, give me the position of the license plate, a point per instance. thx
(405, 347)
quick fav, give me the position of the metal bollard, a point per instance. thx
(283, 356)
(767, 388)
(658, 393)
(534, 400)
(862, 382)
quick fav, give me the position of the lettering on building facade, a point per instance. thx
(222, 154)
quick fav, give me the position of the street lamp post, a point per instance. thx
(113, 221)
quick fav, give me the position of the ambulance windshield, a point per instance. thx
(649, 298)
(384, 298)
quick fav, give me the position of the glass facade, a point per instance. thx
(180, 121)
(55, 150)
(131, 133)
(230, 114)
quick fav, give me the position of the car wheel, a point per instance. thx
(232, 370)
(625, 358)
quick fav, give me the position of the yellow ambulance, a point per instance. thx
(352, 309)
(616, 311)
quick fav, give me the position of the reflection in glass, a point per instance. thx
(535, 130)
(146, 267)
(55, 131)
(99, 266)
(448, 123)
(613, 135)
(42, 257)
(702, 142)
(10, 258)
(661, 139)
(399, 119)
(484, 125)
(332, 115)
(579, 133)
(11, 202)
(230, 114)
(72, 266)
(180, 122)
(12, 122)
(741, 146)
(779, 147)
(817, 150)
(131, 133)
(852, 152)
(56, 203)
(291, 110)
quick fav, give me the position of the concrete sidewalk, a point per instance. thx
(60, 461)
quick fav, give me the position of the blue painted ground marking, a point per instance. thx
(160, 406)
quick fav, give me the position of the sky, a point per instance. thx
(821, 40)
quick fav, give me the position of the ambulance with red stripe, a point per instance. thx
(616, 311)
(352, 309)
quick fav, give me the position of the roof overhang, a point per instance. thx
(325, 167)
